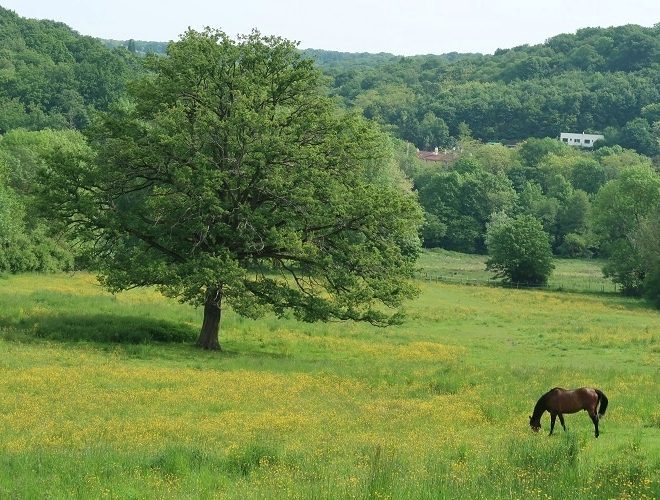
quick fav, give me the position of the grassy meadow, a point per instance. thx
(103, 396)
(576, 275)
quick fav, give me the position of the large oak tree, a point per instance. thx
(228, 177)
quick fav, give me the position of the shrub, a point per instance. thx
(574, 246)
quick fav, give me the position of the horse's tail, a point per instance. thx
(602, 399)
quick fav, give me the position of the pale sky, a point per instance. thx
(402, 27)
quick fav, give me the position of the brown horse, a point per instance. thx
(558, 401)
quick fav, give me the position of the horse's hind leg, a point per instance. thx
(594, 419)
(552, 422)
(561, 421)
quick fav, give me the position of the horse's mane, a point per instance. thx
(541, 406)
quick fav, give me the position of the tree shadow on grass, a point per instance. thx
(101, 328)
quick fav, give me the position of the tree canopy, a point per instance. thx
(598, 78)
(28, 241)
(624, 213)
(52, 77)
(229, 177)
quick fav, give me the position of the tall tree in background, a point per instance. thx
(647, 242)
(230, 178)
(622, 209)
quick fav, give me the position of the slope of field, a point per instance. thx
(437, 407)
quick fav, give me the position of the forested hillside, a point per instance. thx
(596, 79)
(601, 79)
(52, 77)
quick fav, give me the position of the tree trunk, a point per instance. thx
(208, 336)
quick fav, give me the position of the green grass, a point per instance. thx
(577, 275)
(105, 396)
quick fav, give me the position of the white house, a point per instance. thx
(582, 140)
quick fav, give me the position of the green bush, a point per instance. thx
(574, 246)
(519, 249)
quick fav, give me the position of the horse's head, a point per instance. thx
(535, 424)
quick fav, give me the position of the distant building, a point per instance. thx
(582, 140)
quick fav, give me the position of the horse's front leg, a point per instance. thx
(553, 417)
(561, 421)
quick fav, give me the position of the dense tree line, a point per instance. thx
(601, 203)
(52, 77)
(597, 79)
(52, 81)
(602, 79)
(28, 241)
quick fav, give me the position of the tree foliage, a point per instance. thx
(646, 240)
(593, 79)
(519, 250)
(28, 241)
(623, 213)
(459, 203)
(231, 178)
(50, 76)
